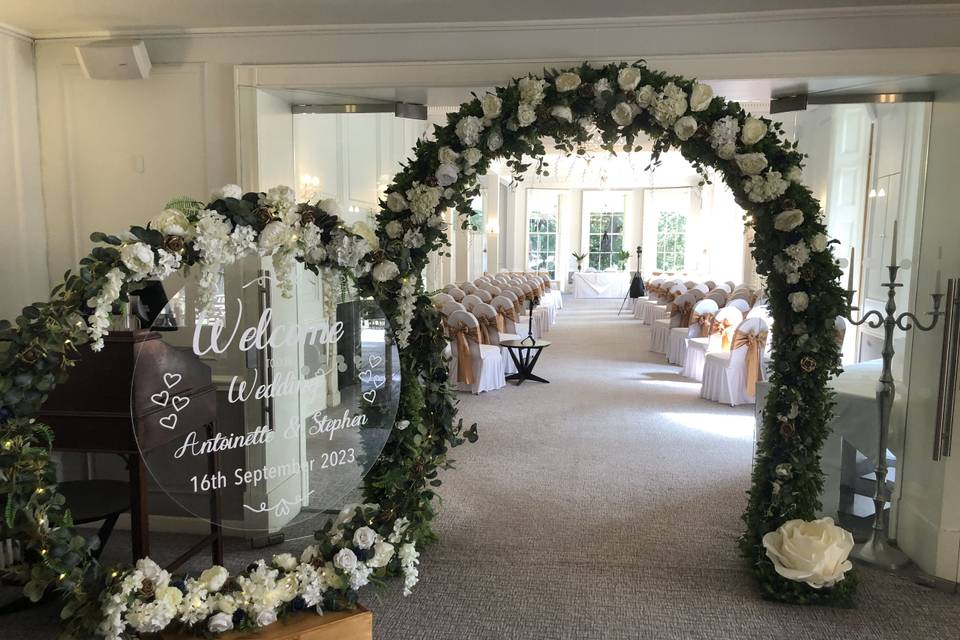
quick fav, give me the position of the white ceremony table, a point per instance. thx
(601, 284)
(856, 422)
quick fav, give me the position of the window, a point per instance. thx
(671, 241)
(605, 233)
(476, 218)
(543, 208)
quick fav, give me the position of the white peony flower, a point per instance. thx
(670, 104)
(214, 578)
(172, 223)
(266, 618)
(138, 258)
(396, 202)
(751, 164)
(446, 155)
(285, 561)
(646, 95)
(345, 560)
(494, 139)
(447, 174)
(153, 572)
(394, 229)
(531, 91)
(331, 206)
(753, 131)
(364, 537)
(798, 252)
(623, 114)
(274, 236)
(526, 115)
(818, 242)
(685, 127)
(382, 554)
(813, 552)
(228, 191)
(385, 270)
(170, 597)
(788, 220)
(468, 130)
(794, 174)
(628, 78)
(220, 623)
(700, 96)
(491, 105)
(567, 81)
(799, 301)
(562, 113)
(472, 156)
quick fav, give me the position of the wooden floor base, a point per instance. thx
(341, 625)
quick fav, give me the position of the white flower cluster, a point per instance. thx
(723, 136)
(423, 201)
(765, 187)
(669, 104)
(102, 304)
(406, 306)
(219, 244)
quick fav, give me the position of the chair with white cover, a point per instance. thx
(456, 293)
(452, 306)
(740, 304)
(485, 296)
(641, 303)
(540, 315)
(470, 301)
(493, 331)
(518, 298)
(730, 377)
(474, 367)
(717, 295)
(717, 338)
(725, 287)
(504, 307)
(440, 299)
(679, 310)
(469, 288)
(661, 310)
(703, 288)
(689, 326)
(711, 285)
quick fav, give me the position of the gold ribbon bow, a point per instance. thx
(755, 343)
(704, 321)
(460, 335)
(725, 329)
(486, 324)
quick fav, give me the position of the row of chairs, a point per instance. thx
(477, 317)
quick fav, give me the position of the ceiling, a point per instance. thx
(40, 17)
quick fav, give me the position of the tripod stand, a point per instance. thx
(636, 284)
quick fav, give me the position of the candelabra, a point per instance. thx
(877, 549)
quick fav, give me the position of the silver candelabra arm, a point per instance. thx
(875, 315)
(907, 321)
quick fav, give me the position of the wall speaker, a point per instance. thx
(114, 60)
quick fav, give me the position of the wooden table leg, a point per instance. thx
(139, 512)
(216, 513)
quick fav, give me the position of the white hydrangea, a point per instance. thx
(670, 104)
(468, 130)
(723, 136)
(423, 200)
(766, 187)
(531, 91)
(281, 202)
(311, 244)
(413, 239)
(168, 263)
(138, 258)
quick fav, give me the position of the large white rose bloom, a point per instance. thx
(383, 271)
(171, 222)
(491, 105)
(799, 301)
(751, 164)
(214, 578)
(446, 155)
(396, 202)
(628, 78)
(526, 115)
(220, 623)
(562, 113)
(345, 559)
(685, 127)
(394, 229)
(818, 242)
(472, 156)
(364, 537)
(228, 191)
(623, 114)
(567, 81)
(753, 131)
(138, 258)
(812, 552)
(700, 96)
(788, 220)
(447, 174)
(332, 207)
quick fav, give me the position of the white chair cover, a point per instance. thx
(739, 304)
(697, 348)
(456, 293)
(490, 333)
(470, 301)
(730, 377)
(677, 340)
(484, 372)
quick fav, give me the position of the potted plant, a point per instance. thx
(621, 259)
(579, 257)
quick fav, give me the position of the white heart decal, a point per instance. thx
(379, 382)
(179, 402)
(366, 376)
(370, 396)
(169, 422)
(161, 398)
(375, 360)
(171, 379)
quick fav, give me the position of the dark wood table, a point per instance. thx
(525, 354)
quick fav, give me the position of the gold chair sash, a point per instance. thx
(460, 335)
(725, 329)
(486, 324)
(841, 333)
(755, 343)
(705, 322)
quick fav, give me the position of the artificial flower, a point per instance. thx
(567, 81)
(754, 130)
(814, 552)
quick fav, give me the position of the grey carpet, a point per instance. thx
(603, 505)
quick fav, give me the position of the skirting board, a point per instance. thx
(340, 625)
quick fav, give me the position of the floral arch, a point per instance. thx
(616, 102)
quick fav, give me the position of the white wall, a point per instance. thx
(23, 241)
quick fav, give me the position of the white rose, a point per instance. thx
(382, 554)
(285, 561)
(402, 424)
(331, 206)
(169, 596)
(468, 130)
(685, 127)
(228, 191)
(266, 617)
(220, 623)
(811, 552)
(788, 220)
(138, 258)
(799, 301)
(531, 91)
(385, 270)
(447, 155)
(214, 578)
(628, 78)
(793, 174)
(274, 235)
(753, 130)
(567, 81)
(394, 229)
(751, 163)
(494, 140)
(364, 537)
(396, 202)
(172, 223)
(491, 105)
(623, 114)
(562, 113)
(700, 96)
(646, 95)
(153, 572)
(345, 560)
(472, 156)
(818, 242)
(526, 115)
(447, 174)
